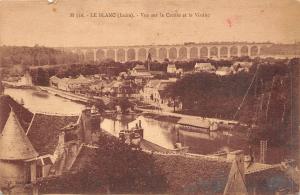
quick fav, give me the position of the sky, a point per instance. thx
(30, 22)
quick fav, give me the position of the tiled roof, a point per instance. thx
(269, 181)
(153, 83)
(54, 79)
(44, 131)
(183, 174)
(193, 175)
(14, 144)
(24, 116)
(83, 158)
(80, 79)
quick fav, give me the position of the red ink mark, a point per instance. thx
(229, 22)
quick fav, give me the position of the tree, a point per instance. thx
(99, 105)
(124, 104)
(42, 77)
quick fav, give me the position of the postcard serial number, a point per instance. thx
(103, 15)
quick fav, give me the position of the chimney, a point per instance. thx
(238, 156)
(61, 139)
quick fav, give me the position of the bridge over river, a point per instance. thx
(171, 52)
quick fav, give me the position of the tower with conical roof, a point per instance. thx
(17, 155)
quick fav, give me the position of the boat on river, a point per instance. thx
(132, 137)
(40, 93)
(196, 125)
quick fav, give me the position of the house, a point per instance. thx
(77, 85)
(53, 81)
(154, 92)
(46, 147)
(97, 88)
(270, 179)
(185, 174)
(241, 66)
(140, 75)
(150, 93)
(171, 68)
(140, 71)
(179, 71)
(214, 175)
(202, 174)
(63, 84)
(223, 71)
(58, 139)
(118, 88)
(204, 67)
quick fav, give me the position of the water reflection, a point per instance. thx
(165, 134)
(157, 132)
(44, 103)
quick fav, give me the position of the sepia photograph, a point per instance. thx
(150, 97)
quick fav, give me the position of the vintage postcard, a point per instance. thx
(149, 96)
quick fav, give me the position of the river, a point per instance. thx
(159, 132)
(45, 102)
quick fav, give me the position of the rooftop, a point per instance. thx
(198, 175)
(14, 143)
(270, 180)
(44, 131)
(6, 103)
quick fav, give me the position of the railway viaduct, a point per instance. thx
(171, 52)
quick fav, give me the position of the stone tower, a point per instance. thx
(17, 157)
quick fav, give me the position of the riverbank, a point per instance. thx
(165, 118)
(15, 85)
(165, 113)
(64, 94)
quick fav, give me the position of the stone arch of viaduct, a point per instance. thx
(178, 52)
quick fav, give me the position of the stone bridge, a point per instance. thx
(171, 52)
